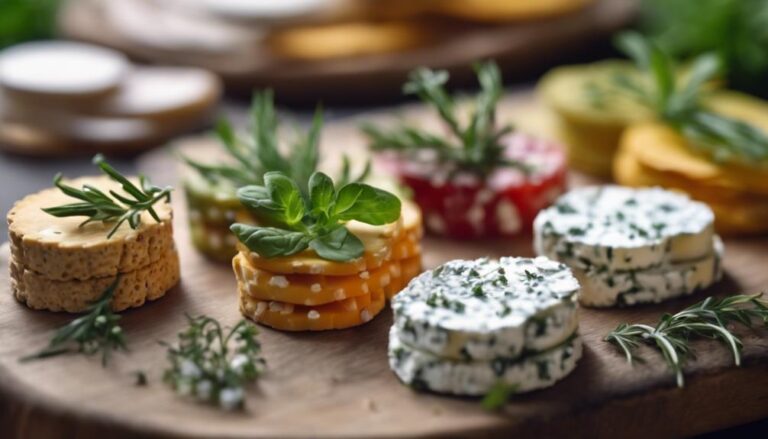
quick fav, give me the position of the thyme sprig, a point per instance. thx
(214, 365)
(113, 206)
(709, 319)
(254, 155)
(474, 146)
(677, 99)
(96, 332)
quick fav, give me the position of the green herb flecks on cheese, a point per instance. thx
(622, 228)
(485, 308)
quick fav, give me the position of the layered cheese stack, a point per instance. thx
(469, 325)
(212, 209)
(737, 190)
(59, 265)
(306, 293)
(629, 246)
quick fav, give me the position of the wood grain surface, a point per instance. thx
(522, 48)
(339, 384)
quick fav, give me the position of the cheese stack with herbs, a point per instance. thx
(327, 256)
(468, 326)
(475, 179)
(212, 177)
(69, 243)
(628, 246)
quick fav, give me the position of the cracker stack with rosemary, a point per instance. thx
(71, 242)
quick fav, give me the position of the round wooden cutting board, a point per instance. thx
(338, 383)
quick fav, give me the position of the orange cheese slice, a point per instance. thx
(343, 314)
(401, 272)
(307, 289)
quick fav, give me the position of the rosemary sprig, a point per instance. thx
(118, 208)
(709, 318)
(259, 153)
(95, 332)
(475, 146)
(677, 100)
(213, 365)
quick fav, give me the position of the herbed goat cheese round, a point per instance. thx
(600, 287)
(426, 371)
(483, 309)
(624, 229)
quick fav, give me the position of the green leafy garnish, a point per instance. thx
(112, 207)
(213, 365)
(95, 332)
(737, 30)
(313, 219)
(498, 396)
(474, 146)
(260, 152)
(677, 100)
(709, 319)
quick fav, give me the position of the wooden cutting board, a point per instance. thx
(246, 63)
(339, 384)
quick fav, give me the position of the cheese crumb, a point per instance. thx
(260, 308)
(316, 288)
(313, 315)
(275, 306)
(365, 275)
(279, 281)
(339, 294)
(365, 315)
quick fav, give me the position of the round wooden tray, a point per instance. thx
(339, 384)
(520, 48)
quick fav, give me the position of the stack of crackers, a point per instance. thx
(58, 264)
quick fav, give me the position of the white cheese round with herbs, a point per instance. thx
(426, 371)
(483, 309)
(629, 287)
(621, 228)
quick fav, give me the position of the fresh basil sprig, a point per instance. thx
(113, 207)
(259, 152)
(474, 147)
(677, 100)
(296, 221)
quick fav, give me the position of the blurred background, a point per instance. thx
(171, 67)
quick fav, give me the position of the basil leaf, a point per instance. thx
(321, 192)
(364, 203)
(258, 201)
(339, 245)
(270, 242)
(285, 193)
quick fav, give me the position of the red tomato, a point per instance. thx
(464, 206)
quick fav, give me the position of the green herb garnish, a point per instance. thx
(112, 207)
(708, 318)
(213, 365)
(677, 100)
(498, 396)
(316, 220)
(253, 156)
(475, 146)
(95, 332)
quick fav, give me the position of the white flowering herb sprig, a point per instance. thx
(213, 365)
(95, 332)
